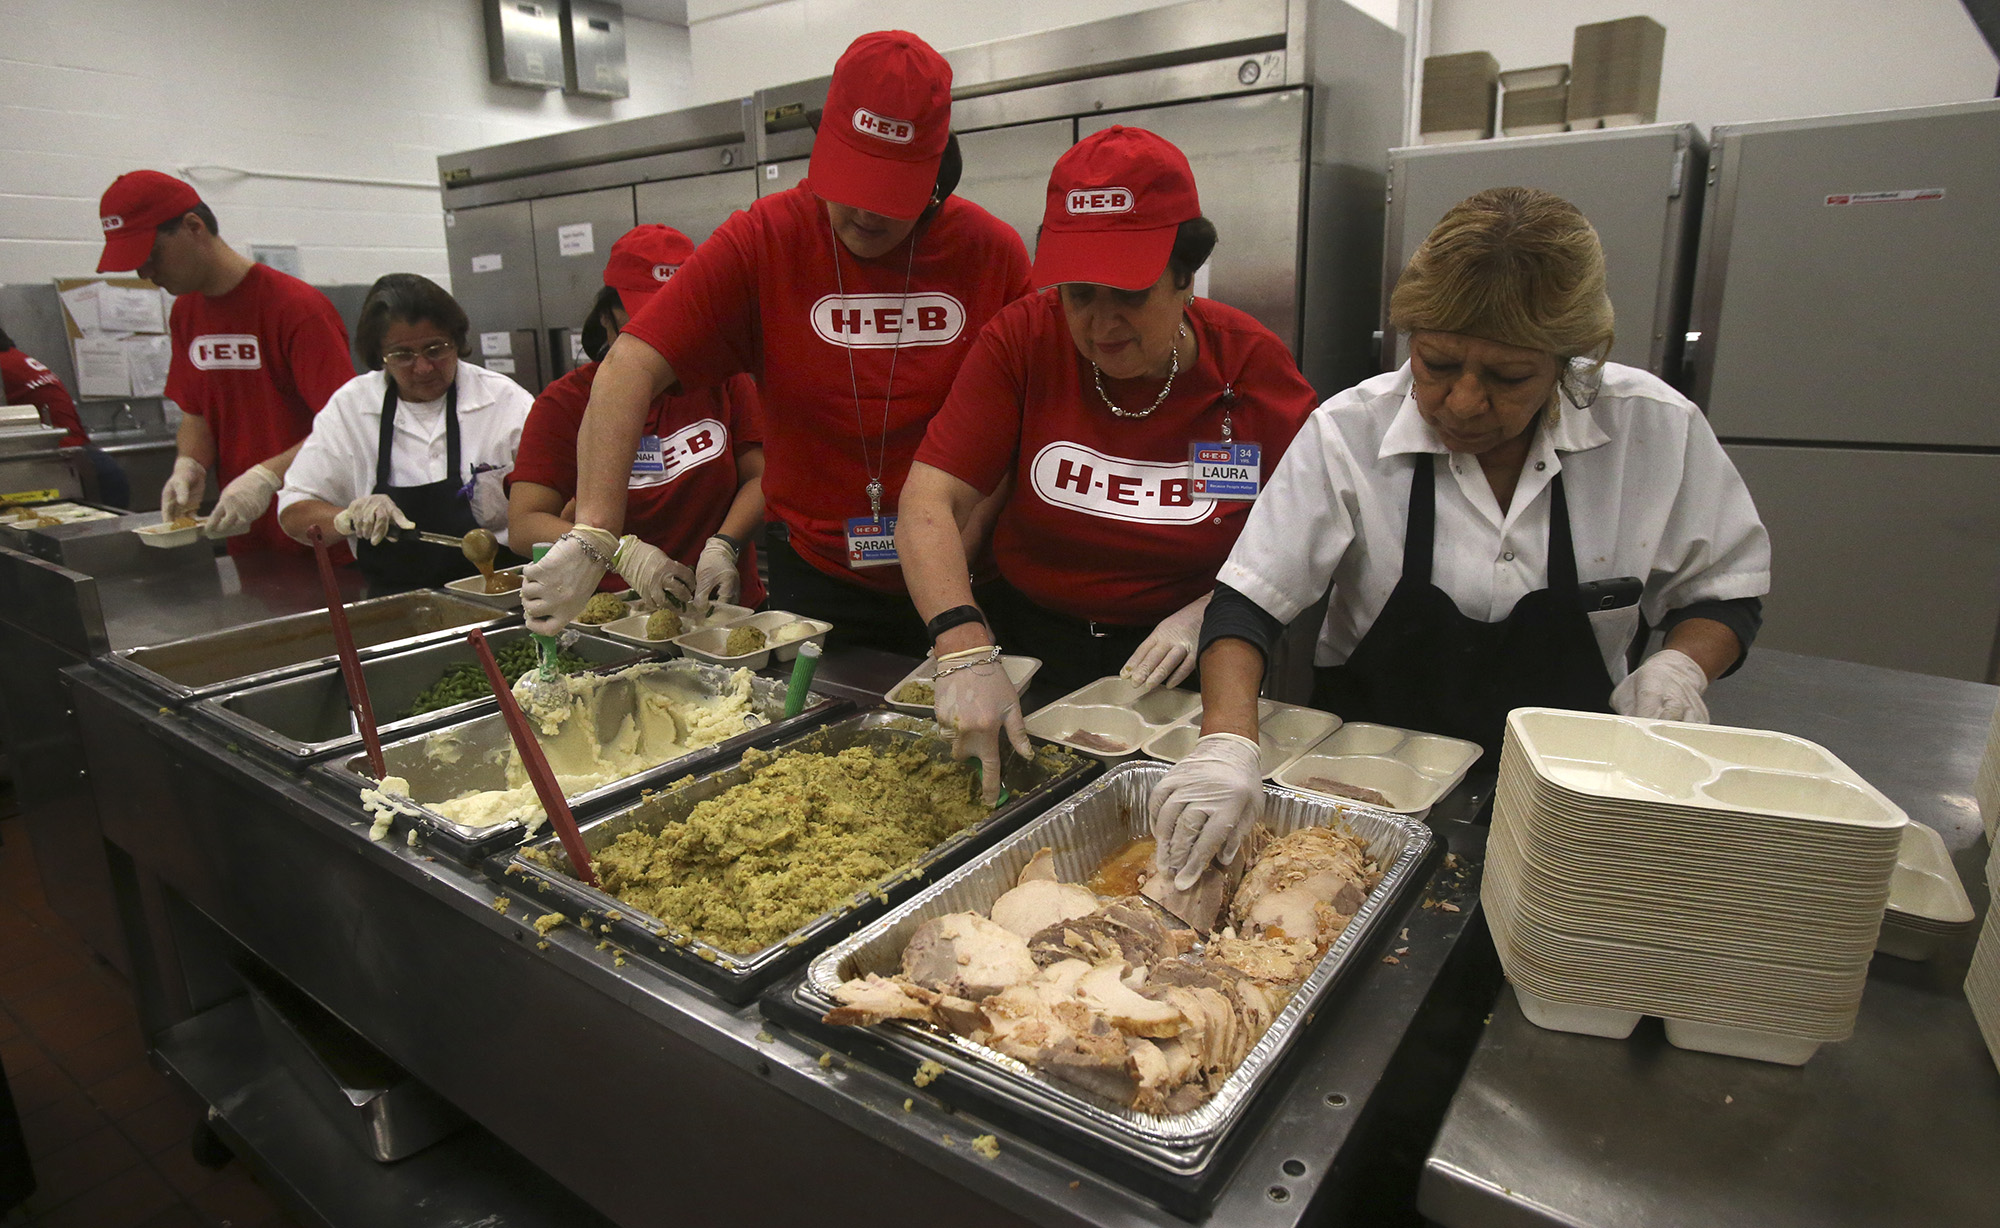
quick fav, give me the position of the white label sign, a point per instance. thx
(880, 321)
(496, 345)
(489, 263)
(1088, 481)
(1901, 197)
(575, 239)
(500, 366)
(226, 352)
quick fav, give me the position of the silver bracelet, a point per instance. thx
(991, 658)
(584, 544)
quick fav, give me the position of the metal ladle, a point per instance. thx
(481, 548)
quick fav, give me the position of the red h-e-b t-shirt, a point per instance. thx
(679, 506)
(1104, 522)
(24, 381)
(257, 363)
(764, 295)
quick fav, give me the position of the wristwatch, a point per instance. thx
(735, 544)
(956, 616)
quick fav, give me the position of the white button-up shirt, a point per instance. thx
(1651, 494)
(336, 464)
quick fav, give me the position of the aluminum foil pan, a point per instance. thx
(1083, 831)
(476, 753)
(1032, 785)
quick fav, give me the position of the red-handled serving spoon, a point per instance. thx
(537, 763)
(350, 663)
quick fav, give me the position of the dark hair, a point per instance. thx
(201, 210)
(1194, 242)
(598, 331)
(6, 342)
(406, 298)
(951, 168)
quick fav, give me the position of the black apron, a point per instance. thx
(437, 507)
(1425, 665)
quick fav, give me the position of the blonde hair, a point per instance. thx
(1515, 265)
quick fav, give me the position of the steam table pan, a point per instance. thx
(1173, 1158)
(203, 665)
(473, 754)
(1033, 785)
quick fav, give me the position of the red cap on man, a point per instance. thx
(1116, 200)
(132, 208)
(642, 260)
(886, 123)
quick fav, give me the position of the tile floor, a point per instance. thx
(107, 1133)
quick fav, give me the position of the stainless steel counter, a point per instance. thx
(653, 1101)
(213, 595)
(1899, 1125)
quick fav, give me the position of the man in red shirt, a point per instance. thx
(693, 491)
(853, 298)
(24, 381)
(256, 354)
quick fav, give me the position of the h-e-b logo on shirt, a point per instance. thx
(882, 321)
(226, 352)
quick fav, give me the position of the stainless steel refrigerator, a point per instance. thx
(1641, 187)
(1845, 341)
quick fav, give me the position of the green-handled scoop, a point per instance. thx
(547, 645)
(804, 666)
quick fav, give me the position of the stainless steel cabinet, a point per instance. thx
(573, 238)
(1007, 171)
(1891, 558)
(695, 206)
(491, 252)
(1246, 153)
(1640, 187)
(776, 177)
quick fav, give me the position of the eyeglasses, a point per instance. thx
(435, 352)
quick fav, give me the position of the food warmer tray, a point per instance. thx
(483, 745)
(217, 661)
(1033, 786)
(300, 719)
(1175, 1159)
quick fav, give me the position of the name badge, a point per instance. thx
(1226, 470)
(871, 542)
(647, 462)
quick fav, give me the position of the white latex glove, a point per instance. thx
(660, 580)
(371, 517)
(489, 500)
(715, 574)
(181, 496)
(246, 497)
(556, 587)
(1667, 685)
(975, 705)
(1167, 656)
(1205, 805)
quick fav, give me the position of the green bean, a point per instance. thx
(467, 681)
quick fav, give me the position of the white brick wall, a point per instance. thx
(368, 88)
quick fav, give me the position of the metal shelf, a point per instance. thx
(267, 1120)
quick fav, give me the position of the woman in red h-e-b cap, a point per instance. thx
(693, 492)
(853, 298)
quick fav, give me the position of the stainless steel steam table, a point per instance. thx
(1899, 1125)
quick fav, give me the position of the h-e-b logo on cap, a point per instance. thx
(114, 222)
(662, 272)
(1101, 200)
(897, 131)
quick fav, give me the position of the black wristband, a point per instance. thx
(735, 544)
(956, 616)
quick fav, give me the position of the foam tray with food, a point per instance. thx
(738, 968)
(1284, 732)
(1380, 765)
(305, 718)
(507, 580)
(1020, 671)
(756, 641)
(1169, 1153)
(238, 657)
(619, 731)
(1110, 718)
(633, 627)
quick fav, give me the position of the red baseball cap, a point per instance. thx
(887, 119)
(642, 260)
(131, 209)
(1116, 200)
